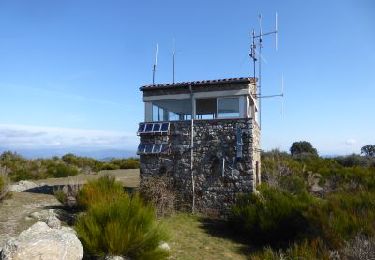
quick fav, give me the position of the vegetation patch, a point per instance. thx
(69, 165)
(116, 223)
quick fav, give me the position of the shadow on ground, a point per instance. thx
(221, 228)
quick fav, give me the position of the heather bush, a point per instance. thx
(272, 216)
(105, 189)
(60, 169)
(118, 224)
(342, 216)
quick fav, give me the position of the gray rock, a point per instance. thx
(53, 222)
(42, 242)
(22, 186)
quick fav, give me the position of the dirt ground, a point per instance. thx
(15, 210)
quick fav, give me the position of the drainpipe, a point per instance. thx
(191, 149)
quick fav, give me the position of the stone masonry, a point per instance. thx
(219, 174)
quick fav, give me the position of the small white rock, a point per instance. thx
(165, 246)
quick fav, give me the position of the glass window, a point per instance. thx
(171, 110)
(228, 107)
(206, 108)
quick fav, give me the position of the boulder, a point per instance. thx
(23, 186)
(47, 216)
(41, 242)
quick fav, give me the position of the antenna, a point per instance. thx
(257, 41)
(155, 64)
(173, 57)
(282, 96)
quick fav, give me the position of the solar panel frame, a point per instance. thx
(156, 128)
(156, 148)
(141, 149)
(141, 128)
(149, 148)
(162, 127)
(148, 128)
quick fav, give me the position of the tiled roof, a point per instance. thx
(198, 83)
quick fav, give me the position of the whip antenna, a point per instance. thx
(155, 64)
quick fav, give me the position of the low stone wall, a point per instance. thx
(219, 174)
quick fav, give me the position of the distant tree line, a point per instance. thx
(20, 168)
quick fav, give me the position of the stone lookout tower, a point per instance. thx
(205, 136)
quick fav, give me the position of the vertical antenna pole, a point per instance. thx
(155, 64)
(260, 70)
(173, 56)
(276, 30)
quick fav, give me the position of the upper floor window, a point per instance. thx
(228, 107)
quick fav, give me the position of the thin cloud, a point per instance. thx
(351, 142)
(25, 136)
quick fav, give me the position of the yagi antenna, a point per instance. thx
(257, 42)
(155, 64)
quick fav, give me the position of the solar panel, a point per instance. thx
(149, 127)
(141, 127)
(156, 127)
(141, 149)
(157, 148)
(149, 148)
(164, 127)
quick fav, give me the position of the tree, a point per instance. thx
(368, 150)
(303, 148)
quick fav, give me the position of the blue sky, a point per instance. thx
(70, 71)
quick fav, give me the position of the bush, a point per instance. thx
(344, 215)
(104, 189)
(131, 163)
(3, 183)
(61, 170)
(303, 149)
(159, 192)
(272, 216)
(123, 226)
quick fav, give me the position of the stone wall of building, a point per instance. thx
(219, 175)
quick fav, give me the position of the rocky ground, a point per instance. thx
(32, 201)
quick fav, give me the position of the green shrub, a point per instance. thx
(105, 188)
(124, 226)
(109, 166)
(130, 163)
(3, 183)
(272, 216)
(61, 170)
(344, 215)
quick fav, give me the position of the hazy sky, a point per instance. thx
(70, 71)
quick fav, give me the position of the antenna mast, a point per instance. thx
(155, 64)
(257, 41)
(173, 56)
